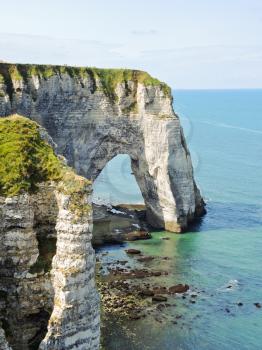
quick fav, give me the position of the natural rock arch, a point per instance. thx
(94, 114)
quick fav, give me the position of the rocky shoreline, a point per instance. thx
(120, 223)
(132, 292)
(128, 287)
(134, 285)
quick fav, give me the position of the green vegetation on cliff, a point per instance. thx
(107, 79)
(26, 160)
(110, 78)
(73, 185)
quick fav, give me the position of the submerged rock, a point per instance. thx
(159, 298)
(146, 293)
(160, 290)
(146, 258)
(133, 251)
(137, 235)
(179, 288)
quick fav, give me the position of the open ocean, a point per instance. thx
(224, 135)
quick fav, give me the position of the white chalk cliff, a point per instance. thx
(46, 258)
(48, 297)
(95, 114)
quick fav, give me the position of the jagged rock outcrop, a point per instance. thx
(48, 298)
(95, 114)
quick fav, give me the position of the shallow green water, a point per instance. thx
(224, 133)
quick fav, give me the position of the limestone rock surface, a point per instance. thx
(47, 285)
(95, 114)
(48, 297)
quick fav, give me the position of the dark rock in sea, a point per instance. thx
(258, 305)
(145, 258)
(140, 273)
(159, 298)
(157, 273)
(146, 293)
(160, 290)
(227, 310)
(240, 304)
(133, 251)
(135, 316)
(137, 235)
(179, 288)
(160, 307)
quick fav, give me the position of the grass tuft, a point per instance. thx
(25, 158)
(108, 78)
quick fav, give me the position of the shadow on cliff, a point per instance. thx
(229, 216)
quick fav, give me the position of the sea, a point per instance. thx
(221, 258)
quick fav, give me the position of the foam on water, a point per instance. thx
(230, 286)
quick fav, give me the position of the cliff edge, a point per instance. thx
(94, 114)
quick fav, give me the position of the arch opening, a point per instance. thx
(116, 183)
(118, 205)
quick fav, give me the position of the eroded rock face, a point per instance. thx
(48, 297)
(26, 288)
(92, 119)
(47, 287)
(75, 320)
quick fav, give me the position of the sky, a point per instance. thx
(190, 44)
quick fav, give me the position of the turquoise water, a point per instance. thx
(224, 134)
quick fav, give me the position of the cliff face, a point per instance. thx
(48, 298)
(95, 114)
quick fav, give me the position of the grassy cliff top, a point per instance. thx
(109, 78)
(27, 160)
